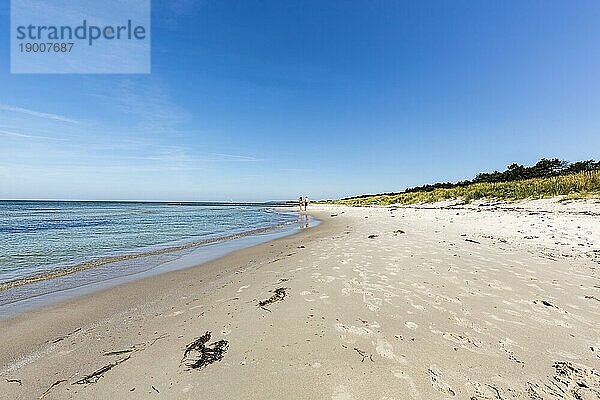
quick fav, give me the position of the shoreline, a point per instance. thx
(374, 303)
(28, 293)
(164, 248)
(103, 260)
(73, 312)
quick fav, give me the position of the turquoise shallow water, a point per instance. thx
(38, 237)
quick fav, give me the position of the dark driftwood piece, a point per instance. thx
(135, 347)
(278, 295)
(66, 336)
(118, 352)
(205, 354)
(50, 388)
(95, 376)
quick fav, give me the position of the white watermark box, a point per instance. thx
(80, 36)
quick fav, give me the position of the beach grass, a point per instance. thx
(572, 186)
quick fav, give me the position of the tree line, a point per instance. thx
(514, 172)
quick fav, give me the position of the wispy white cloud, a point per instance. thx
(37, 114)
(148, 134)
(233, 157)
(180, 158)
(146, 104)
(25, 135)
(297, 169)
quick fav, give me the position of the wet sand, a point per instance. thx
(492, 302)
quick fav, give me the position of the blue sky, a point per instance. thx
(272, 99)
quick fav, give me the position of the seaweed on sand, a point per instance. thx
(278, 295)
(205, 354)
(364, 355)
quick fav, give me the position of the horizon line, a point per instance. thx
(156, 201)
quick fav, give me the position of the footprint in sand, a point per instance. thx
(354, 330)
(438, 383)
(306, 293)
(241, 289)
(386, 350)
(340, 393)
(465, 342)
(570, 380)
(411, 325)
(484, 391)
(412, 388)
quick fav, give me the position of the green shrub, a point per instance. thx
(578, 185)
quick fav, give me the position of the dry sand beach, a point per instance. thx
(468, 302)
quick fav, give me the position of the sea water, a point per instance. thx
(47, 238)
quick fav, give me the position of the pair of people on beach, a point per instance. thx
(303, 202)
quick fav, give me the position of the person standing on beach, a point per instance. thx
(305, 203)
(300, 202)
